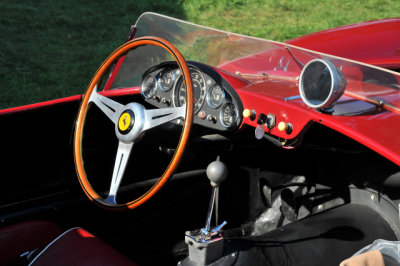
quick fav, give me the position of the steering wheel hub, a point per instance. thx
(126, 122)
(131, 122)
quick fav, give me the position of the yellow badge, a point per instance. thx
(124, 121)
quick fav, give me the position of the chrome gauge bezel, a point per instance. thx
(209, 96)
(199, 104)
(152, 92)
(337, 86)
(221, 113)
(159, 80)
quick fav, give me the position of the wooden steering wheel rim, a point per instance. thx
(79, 164)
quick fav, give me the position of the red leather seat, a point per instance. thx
(73, 247)
(79, 247)
(28, 236)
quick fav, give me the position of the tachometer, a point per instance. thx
(167, 79)
(199, 91)
(149, 86)
(215, 96)
(229, 114)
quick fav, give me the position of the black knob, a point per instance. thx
(166, 101)
(157, 98)
(212, 118)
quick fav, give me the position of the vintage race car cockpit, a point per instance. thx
(197, 146)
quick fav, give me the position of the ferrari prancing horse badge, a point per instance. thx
(125, 122)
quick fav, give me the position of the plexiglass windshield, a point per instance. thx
(253, 58)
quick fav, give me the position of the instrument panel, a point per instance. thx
(216, 103)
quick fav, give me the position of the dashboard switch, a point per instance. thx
(247, 113)
(283, 126)
(271, 121)
(262, 118)
(157, 98)
(212, 118)
(166, 101)
(201, 114)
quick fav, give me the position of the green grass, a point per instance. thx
(286, 19)
(50, 49)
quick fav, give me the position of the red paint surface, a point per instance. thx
(109, 93)
(114, 73)
(373, 42)
(40, 105)
(84, 233)
(374, 131)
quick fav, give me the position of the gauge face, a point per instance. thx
(167, 79)
(199, 91)
(317, 83)
(321, 84)
(229, 114)
(215, 96)
(149, 86)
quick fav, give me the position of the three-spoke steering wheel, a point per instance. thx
(131, 121)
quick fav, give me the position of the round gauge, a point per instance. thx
(149, 86)
(215, 96)
(321, 84)
(199, 91)
(228, 114)
(167, 79)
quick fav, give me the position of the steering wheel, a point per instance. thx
(131, 121)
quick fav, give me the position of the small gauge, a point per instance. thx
(215, 96)
(167, 79)
(199, 91)
(149, 86)
(229, 114)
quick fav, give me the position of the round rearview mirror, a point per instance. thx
(321, 84)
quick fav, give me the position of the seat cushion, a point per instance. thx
(79, 247)
(27, 236)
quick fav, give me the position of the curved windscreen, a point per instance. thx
(257, 59)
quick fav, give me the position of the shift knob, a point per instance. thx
(216, 172)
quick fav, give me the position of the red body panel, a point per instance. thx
(374, 42)
(40, 105)
(109, 93)
(374, 131)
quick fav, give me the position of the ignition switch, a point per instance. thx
(271, 121)
(262, 118)
(259, 132)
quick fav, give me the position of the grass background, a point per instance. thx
(50, 49)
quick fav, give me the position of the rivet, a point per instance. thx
(320, 207)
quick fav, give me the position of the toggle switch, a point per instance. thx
(247, 113)
(286, 127)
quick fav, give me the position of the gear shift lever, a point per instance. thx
(216, 173)
(207, 245)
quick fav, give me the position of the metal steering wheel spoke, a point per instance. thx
(156, 117)
(121, 161)
(111, 108)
